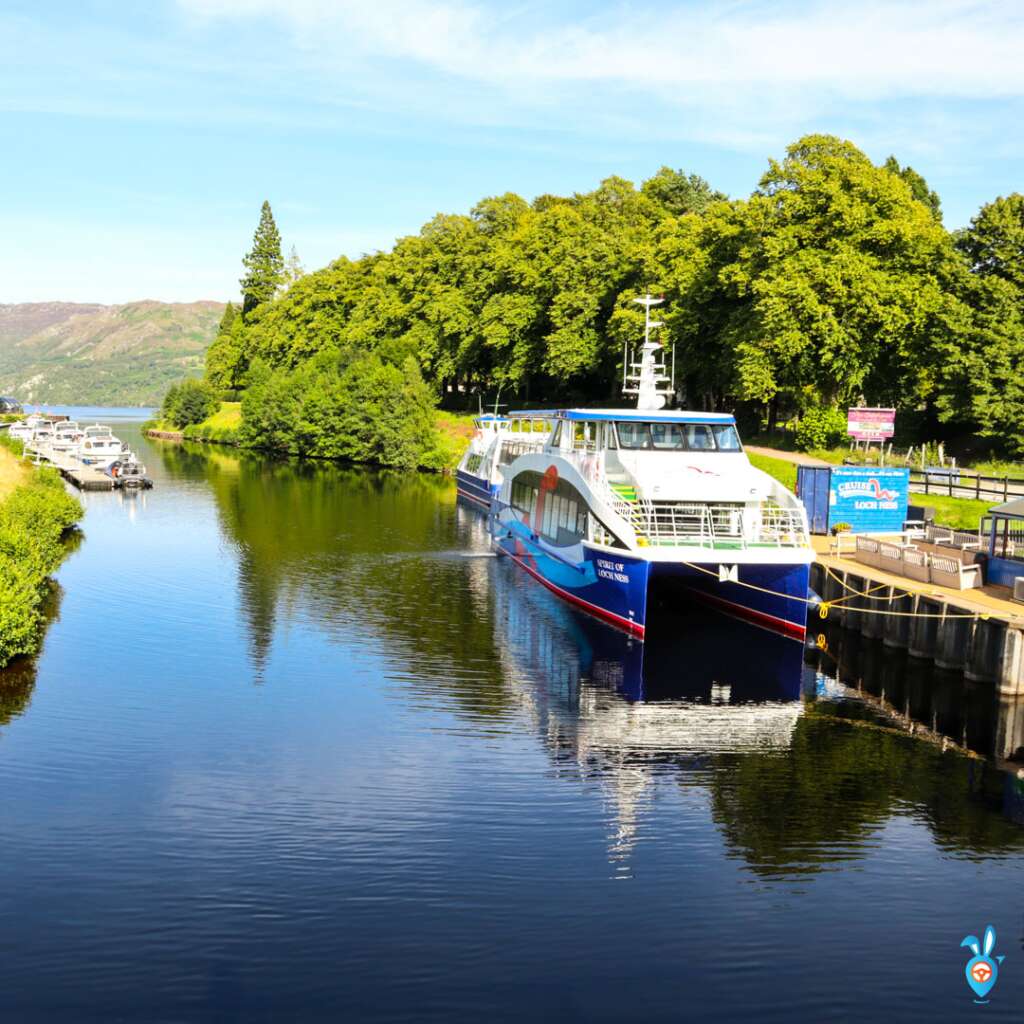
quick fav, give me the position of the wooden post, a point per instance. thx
(977, 488)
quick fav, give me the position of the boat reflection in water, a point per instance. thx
(625, 712)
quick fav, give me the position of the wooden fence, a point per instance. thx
(963, 483)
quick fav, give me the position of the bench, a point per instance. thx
(867, 550)
(890, 557)
(915, 565)
(952, 573)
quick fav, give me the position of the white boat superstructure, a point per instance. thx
(67, 436)
(496, 442)
(99, 447)
(25, 430)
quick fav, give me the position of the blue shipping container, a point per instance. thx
(870, 499)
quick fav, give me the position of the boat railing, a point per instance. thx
(510, 450)
(716, 525)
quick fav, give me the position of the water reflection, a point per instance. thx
(800, 772)
(18, 679)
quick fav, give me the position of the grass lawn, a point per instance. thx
(228, 415)
(455, 429)
(960, 513)
(783, 471)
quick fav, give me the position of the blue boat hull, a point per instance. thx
(619, 588)
(474, 489)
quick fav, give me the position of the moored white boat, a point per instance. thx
(67, 436)
(25, 430)
(99, 447)
(618, 508)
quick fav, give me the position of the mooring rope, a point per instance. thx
(824, 606)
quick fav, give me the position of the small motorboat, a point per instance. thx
(128, 473)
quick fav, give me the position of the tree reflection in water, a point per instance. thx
(801, 771)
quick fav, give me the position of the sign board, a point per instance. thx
(870, 499)
(870, 424)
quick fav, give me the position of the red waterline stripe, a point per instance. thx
(628, 625)
(772, 622)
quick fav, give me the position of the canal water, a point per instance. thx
(298, 748)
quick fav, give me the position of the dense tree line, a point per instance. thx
(835, 282)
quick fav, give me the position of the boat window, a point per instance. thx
(698, 437)
(564, 517)
(632, 435)
(583, 436)
(726, 438)
(667, 435)
(556, 437)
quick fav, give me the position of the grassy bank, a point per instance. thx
(35, 514)
(224, 427)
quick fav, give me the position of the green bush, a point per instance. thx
(367, 411)
(33, 521)
(821, 427)
(188, 403)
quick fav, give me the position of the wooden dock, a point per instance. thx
(978, 631)
(85, 478)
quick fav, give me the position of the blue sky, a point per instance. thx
(138, 140)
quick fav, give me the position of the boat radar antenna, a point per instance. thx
(647, 378)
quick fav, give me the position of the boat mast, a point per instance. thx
(648, 379)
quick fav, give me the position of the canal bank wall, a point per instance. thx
(949, 630)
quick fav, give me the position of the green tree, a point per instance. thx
(918, 186)
(994, 242)
(678, 193)
(230, 313)
(830, 283)
(264, 265)
(188, 403)
(978, 379)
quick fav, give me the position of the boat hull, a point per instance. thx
(628, 591)
(772, 595)
(476, 490)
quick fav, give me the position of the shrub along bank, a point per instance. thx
(367, 410)
(35, 515)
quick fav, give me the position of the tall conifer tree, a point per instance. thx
(264, 264)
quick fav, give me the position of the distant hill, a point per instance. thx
(89, 354)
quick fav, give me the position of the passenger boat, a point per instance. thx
(496, 441)
(617, 509)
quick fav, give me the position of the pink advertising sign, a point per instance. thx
(870, 424)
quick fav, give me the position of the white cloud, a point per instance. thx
(864, 51)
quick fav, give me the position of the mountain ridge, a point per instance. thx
(97, 353)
